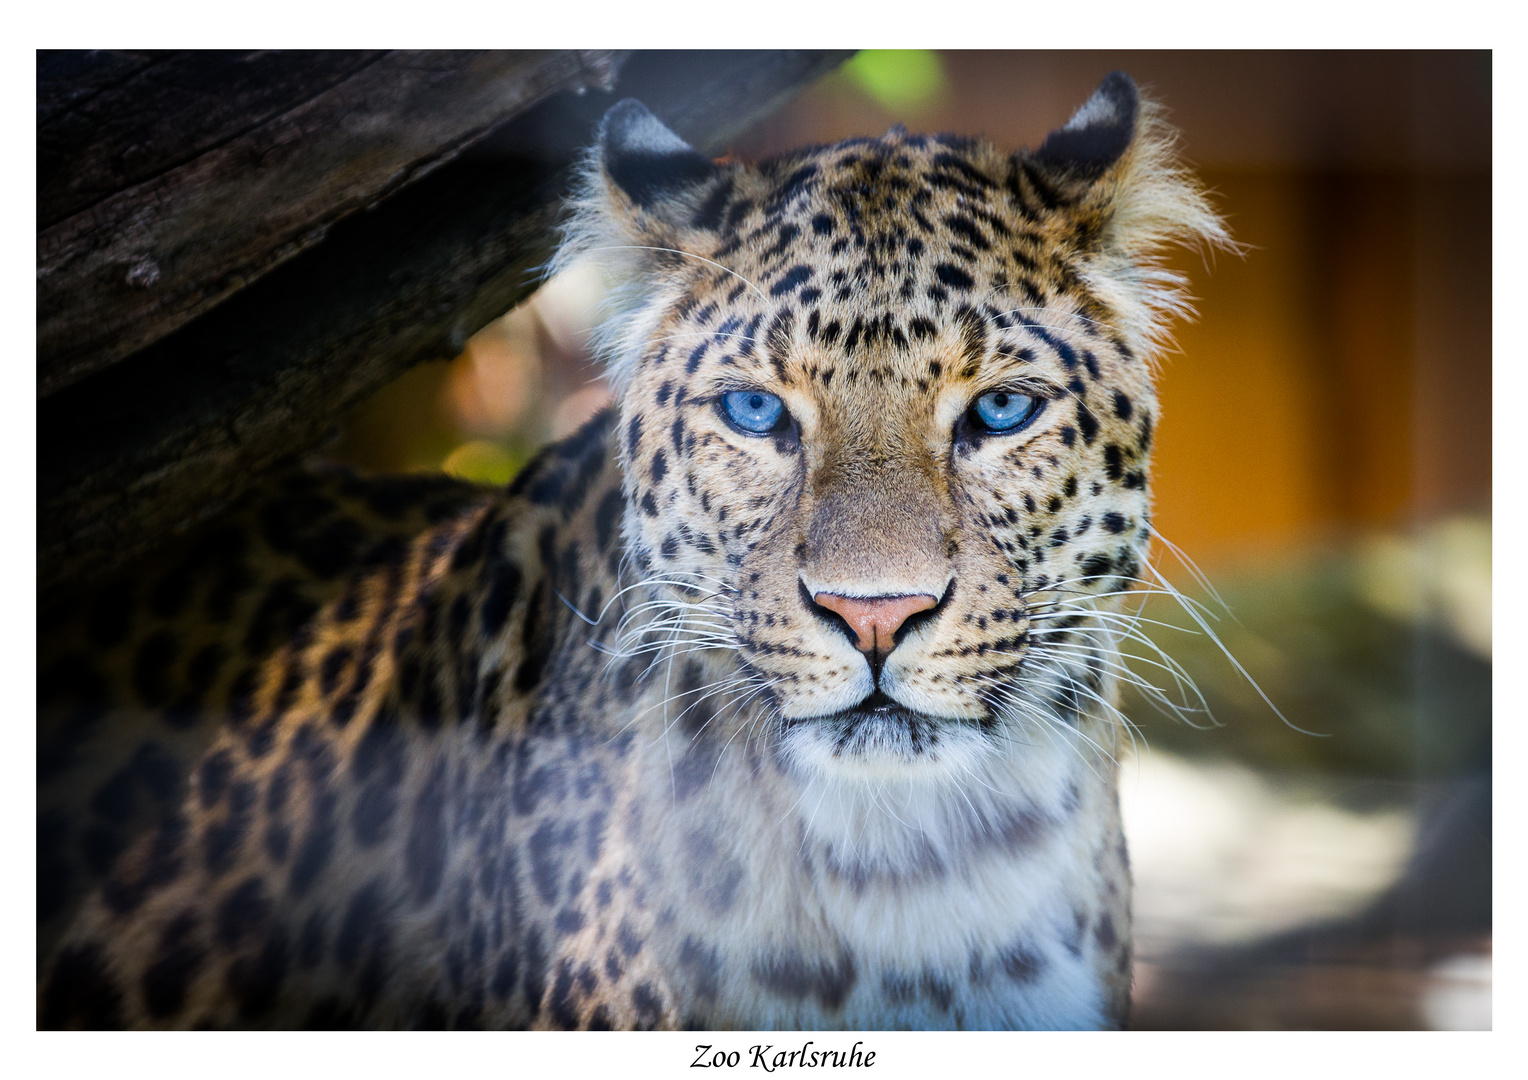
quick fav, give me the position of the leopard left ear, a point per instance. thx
(1112, 174)
(1098, 134)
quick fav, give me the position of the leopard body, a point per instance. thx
(596, 751)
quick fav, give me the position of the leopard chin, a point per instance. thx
(880, 739)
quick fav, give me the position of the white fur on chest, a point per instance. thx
(876, 904)
(909, 940)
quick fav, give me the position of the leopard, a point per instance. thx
(783, 694)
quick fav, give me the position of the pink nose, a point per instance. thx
(875, 618)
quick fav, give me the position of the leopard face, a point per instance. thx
(887, 414)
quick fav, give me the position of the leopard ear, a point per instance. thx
(1112, 172)
(653, 173)
(1098, 134)
(647, 207)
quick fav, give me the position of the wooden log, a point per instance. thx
(199, 172)
(165, 437)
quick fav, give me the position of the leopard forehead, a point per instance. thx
(905, 222)
(888, 263)
(895, 260)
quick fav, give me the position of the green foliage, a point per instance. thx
(483, 462)
(898, 79)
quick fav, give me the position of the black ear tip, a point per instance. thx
(1099, 133)
(1119, 89)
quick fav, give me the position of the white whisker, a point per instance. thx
(686, 254)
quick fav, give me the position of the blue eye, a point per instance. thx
(998, 411)
(753, 411)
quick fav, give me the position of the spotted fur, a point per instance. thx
(588, 752)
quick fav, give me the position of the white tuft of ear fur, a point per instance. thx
(598, 231)
(1151, 203)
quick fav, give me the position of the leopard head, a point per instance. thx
(886, 415)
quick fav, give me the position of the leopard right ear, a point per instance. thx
(655, 179)
(648, 208)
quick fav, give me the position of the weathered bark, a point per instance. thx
(196, 176)
(151, 442)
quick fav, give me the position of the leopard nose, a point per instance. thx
(875, 619)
